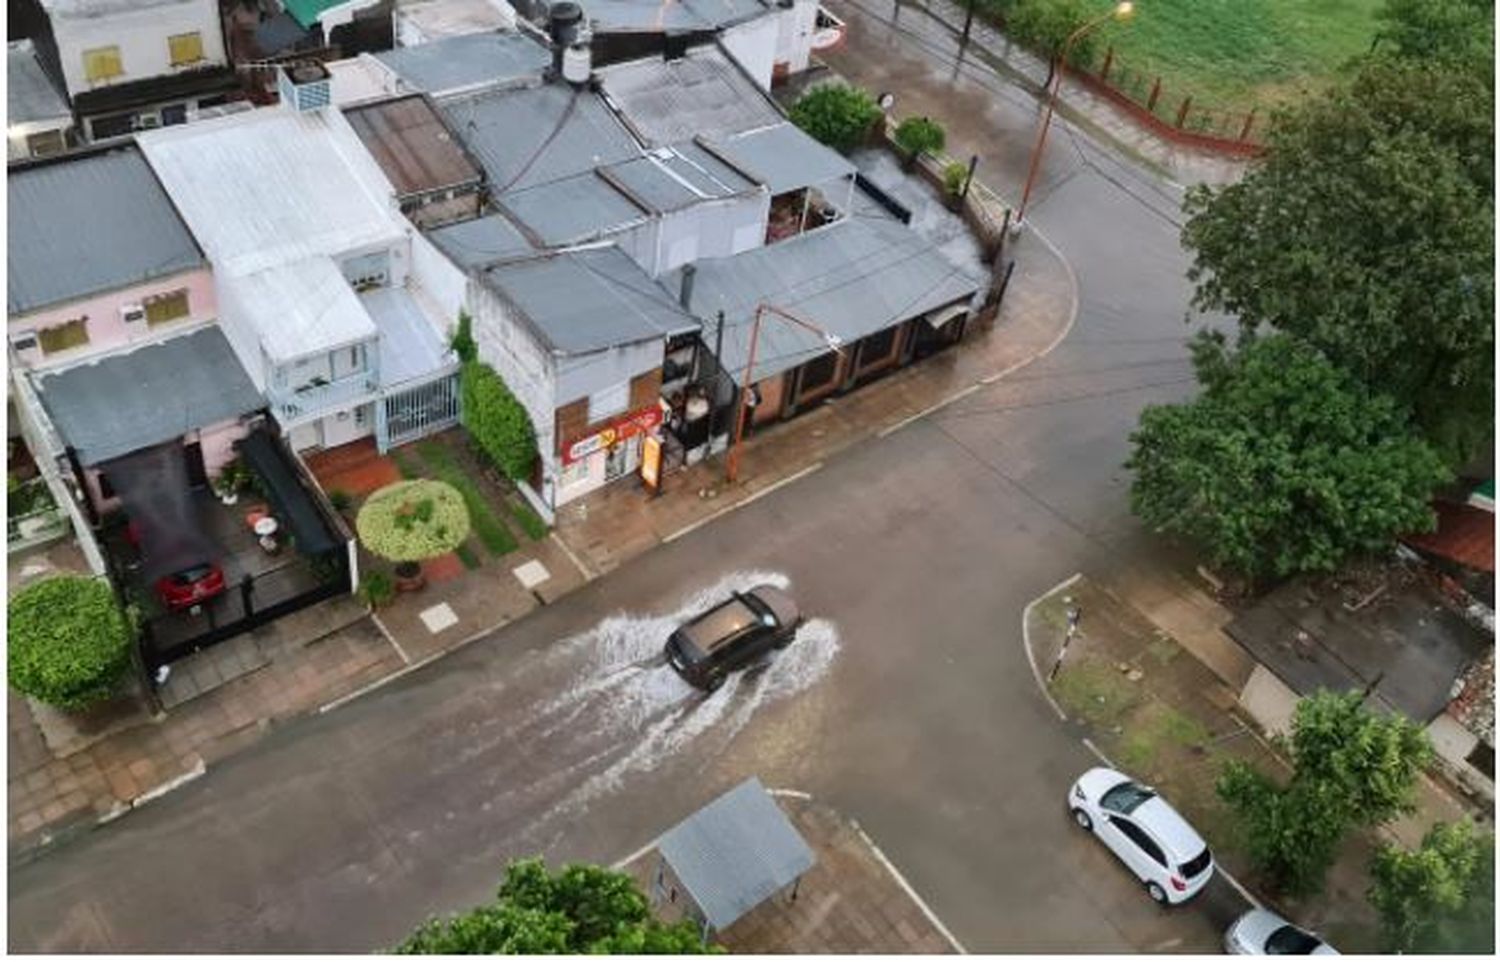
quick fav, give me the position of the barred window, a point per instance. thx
(166, 307)
(65, 336)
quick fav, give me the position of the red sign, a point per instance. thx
(623, 429)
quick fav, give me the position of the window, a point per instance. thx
(185, 48)
(819, 372)
(1193, 866)
(609, 402)
(878, 348)
(116, 126)
(65, 336)
(45, 143)
(1290, 940)
(102, 63)
(1126, 797)
(1143, 841)
(166, 307)
(23, 342)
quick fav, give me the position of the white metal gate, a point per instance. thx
(417, 411)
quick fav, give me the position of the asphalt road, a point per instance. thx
(909, 704)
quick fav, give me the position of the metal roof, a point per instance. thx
(571, 211)
(588, 300)
(88, 223)
(704, 171)
(538, 135)
(680, 15)
(468, 60)
(736, 852)
(784, 157)
(853, 278)
(273, 186)
(472, 243)
(410, 344)
(300, 308)
(412, 145)
(424, 21)
(103, 8)
(668, 179)
(31, 94)
(131, 400)
(702, 94)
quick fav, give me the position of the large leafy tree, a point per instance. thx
(1350, 767)
(1284, 463)
(1438, 29)
(1367, 230)
(583, 909)
(1045, 26)
(1439, 898)
(836, 114)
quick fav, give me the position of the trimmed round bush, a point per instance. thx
(836, 114)
(68, 641)
(413, 520)
(920, 135)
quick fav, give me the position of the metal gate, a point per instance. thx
(417, 412)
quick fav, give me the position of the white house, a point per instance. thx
(38, 119)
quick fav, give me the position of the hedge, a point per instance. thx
(68, 641)
(413, 520)
(497, 422)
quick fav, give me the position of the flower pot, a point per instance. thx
(229, 497)
(408, 576)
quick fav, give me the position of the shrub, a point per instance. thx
(413, 520)
(462, 342)
(377, 588)
(69, 642)
(838, 115)
(954, 177)
(497, 421)
(920, 135)
(341, 500)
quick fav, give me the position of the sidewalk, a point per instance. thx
(851, 901)
(607, 528)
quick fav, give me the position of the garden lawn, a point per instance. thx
(1236, 54)
(492, 532)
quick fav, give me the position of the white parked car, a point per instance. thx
(1144, 832)
(1259, 932)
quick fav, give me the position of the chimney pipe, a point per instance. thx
(689, 273)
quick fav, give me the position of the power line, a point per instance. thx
(1088, 395)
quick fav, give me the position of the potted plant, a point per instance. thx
(411, 521)
(917, 136)
(955, 176)
(231, 481)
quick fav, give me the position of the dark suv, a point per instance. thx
(733, 635)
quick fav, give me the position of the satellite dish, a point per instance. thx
(886, 101)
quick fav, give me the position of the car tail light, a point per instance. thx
(1178, 884)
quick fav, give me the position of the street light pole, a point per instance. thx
(1122, 11)
(732, 466)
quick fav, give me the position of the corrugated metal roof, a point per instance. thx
(472, 243)
(124, 402)
(538, 135)
(1465, 534)
(677, 15)
(735, 852)
(431, 20)
(588, 300)
(103, 8)
(89, 223)
(455, 63)
(412, 145)
(571, 211)
(853, 278)
(300, 308)
(410, 344)
(784, 157)
(272, 186)
(704, 171)
(30, 95)
(645, 180)
(702, 94)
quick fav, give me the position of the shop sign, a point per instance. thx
(651, 462)
(626, 427)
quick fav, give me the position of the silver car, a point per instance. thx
(1262, 932)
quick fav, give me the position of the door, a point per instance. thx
(197, 473)
(1136, 849)
(173, 115)
(346, 426)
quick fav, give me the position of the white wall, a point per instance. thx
(582, 375)
(141, 34)
(506, 345)
(794, 34)
(241, 334)
(754, 45)
(438, 279)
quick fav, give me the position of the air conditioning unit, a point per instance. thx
(132, 313)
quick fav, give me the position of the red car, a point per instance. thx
(191, 586)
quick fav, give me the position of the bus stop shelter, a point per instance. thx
(729, 857)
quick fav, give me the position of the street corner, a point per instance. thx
(852, 900)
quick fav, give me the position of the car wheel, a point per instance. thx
(713, 683)
(1083, 820)
(1157, 893)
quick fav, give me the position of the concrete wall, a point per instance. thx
(141, 35)
(506, 345)
(754, 45)
(579, 377)
(108, 331)
(1269, 701)
(794, 35)
(711, 229)
(218, 444)
(1452, 743)
(438, 279)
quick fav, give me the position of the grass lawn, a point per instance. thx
(1234, 54)
(492, 532)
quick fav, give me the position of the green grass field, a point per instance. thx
(1234, 54)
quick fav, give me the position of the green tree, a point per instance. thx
(1350, 768)
(1462, 30)
(1044, 26)
(1283, 464)
(1367, 230)
(496, 421)
(462, 342)
(68, 641)
(584, 909)
(1439, 899)
(836, 114)
(919, 135)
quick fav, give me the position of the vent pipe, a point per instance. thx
(564, 28)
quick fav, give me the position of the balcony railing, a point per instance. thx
(316, 398)
(34, 518)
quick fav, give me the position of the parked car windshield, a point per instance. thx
(189, 575)
(1290, 940)
(1126, 797)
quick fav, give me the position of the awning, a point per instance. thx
(290, 500)
(952, 312)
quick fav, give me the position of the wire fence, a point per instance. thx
(1169, 103)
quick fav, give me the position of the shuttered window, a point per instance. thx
(186, 48)
(64, 336)
(102, 63)
(166, 307)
